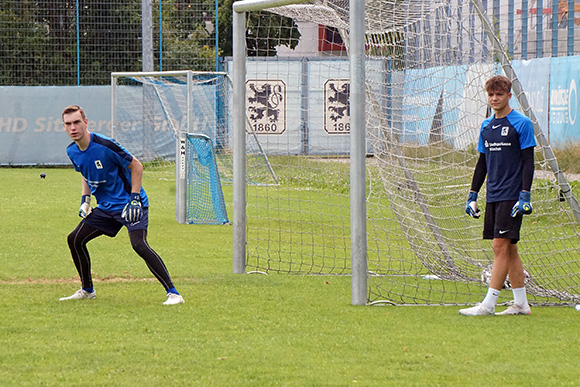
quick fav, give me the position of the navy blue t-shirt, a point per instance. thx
(104, 167)
(502, 140)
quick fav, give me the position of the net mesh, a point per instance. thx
(426, 64)
(205, 198)
(152, 110)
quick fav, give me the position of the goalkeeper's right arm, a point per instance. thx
(86, 208)
(471, 206)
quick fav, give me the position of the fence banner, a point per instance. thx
(31, 130)
(535, 78)
(564, 83)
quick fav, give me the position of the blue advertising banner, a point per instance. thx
(564, 118)
(430, 103)
(534, 76)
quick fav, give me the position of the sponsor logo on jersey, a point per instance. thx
(95, 184)
(497, 146)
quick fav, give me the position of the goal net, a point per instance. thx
(205, 198)
(426, 65)
(177, 123)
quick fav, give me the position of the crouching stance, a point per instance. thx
(113, 176)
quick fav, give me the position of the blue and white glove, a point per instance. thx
(86, 208)
(523, 205)
(471, 206)
(133, 211)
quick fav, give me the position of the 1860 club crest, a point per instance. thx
(266, 106)
(337, 106)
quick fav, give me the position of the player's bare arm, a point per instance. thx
(136, 175)
(85, 190)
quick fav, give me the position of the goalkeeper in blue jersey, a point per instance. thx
(506, 146)
(113, 176)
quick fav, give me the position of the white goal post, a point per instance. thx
(357, 156)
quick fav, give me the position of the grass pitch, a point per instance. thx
(233, 329)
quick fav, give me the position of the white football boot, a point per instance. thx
(515, 309)
(80, 294)
(477, 310)
(174, 299)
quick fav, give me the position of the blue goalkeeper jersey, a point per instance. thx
(104, 167)
(502, 140)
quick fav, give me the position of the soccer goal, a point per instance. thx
(424, 64)
(180, 121)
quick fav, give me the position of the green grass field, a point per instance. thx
(233, 329)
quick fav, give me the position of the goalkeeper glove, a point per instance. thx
(133, 212)
(86, 208)
(471, 206)
(523, 205)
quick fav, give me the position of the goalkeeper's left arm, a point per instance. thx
(524, 205)
(133, 210)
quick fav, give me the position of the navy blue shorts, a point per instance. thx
(498, 222)
(111, 222)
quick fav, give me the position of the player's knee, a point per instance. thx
(72, 239)
(139, 246)
(502, 246)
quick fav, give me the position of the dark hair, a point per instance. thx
(499, 82)
(73, 108)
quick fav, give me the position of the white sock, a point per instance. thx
(491, 298)
(520, 297)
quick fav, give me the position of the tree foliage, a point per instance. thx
(264, 31)
(41, 44)
(188, 35)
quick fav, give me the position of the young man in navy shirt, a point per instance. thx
(506, 146)
(113, 176)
